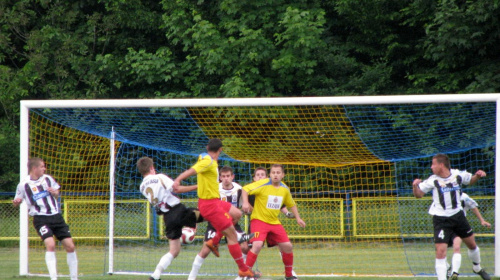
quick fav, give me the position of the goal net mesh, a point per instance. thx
(349, 169)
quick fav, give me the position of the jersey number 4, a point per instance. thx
(441, 234)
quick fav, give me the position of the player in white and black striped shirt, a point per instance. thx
(448, 215)
(161, 194)
(41, 191)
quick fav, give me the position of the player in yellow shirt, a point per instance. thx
(270, 195)
(220, 214)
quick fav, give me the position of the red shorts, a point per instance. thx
(216, 212)
(273, 234)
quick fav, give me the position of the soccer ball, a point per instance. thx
(188, 234)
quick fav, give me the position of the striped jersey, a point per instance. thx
(36, 195)
(207, 171)
(233, 195)
(446, 192)
(268, 200)
(157, 188)
(467, 202)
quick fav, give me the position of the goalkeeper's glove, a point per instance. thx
(290, 215)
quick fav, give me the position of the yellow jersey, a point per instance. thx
(207, 174)
(268, 200)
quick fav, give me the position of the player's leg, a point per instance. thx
(215, 212)
(42, 227)
(456, 260)
(198, 262)
(464, 231)
(166, 260)
(61, 231)
(442, 237)
(440, 264)
(173, 221)
(281, 256)
(50, 257)
(475, 256)
(71, 258)
(277, 235)
(203, 254)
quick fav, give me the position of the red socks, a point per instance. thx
(235, 252)
(251, 259)
(288, 261)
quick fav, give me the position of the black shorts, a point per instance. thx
(178, 217)
(210, 233)
(48, 226)
(447, 228)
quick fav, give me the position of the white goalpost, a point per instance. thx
(115, 235)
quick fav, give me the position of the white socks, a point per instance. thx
(441, 269)
(162, 265)
(50, 260)
(456, 262)
(198, 262)
(73, 265)
(475, 257)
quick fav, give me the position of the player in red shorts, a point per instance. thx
(270, 195)
(220, 214)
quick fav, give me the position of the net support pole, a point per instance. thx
(497, 192)
(111, 230)
(23, 214)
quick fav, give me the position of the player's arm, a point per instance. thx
(18, 199)
(183, 176)
(184, 189)
(417, 192)
(54, 192)
(479, 174)
(295, 212)
(480, 217)
(287, 213)
(245, 206)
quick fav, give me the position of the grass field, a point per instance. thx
(91, 261)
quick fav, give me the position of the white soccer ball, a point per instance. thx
(188, 234)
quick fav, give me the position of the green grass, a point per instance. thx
(93, 260)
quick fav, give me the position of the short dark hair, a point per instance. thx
(277, 165)
(214, 145)
(144, 165)
(34, 162)
(226, 169)
(259, 168)
(444, 159)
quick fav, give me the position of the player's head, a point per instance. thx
(226, 176)
(440, 163)
(36, 167)
(276, 173)
(214, 145)
(259, 173)
(144, 165)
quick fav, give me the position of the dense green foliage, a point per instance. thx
(232, 48)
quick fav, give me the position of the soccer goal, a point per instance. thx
(349, 163)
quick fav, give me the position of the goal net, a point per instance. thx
(349, 163)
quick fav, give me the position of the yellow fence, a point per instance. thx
(381, 217)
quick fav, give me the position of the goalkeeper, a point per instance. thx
(159, 190)
(270, 195)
